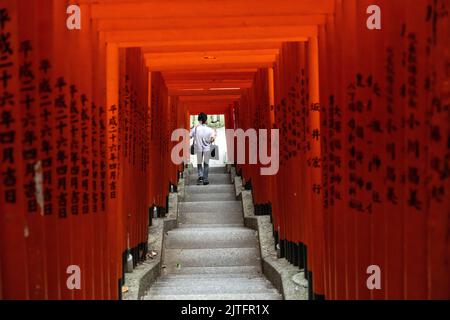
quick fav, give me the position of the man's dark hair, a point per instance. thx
(202, 117)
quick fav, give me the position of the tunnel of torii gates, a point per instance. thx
(363, 117)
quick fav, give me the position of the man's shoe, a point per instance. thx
(200, 180)
(205, 183)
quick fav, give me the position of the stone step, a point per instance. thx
(235, 296)
(223, 278)
(213, 178)
(212, 282)
(217, 257)
(208, 206)
(212, 188)
(210, 218)
(193, 238)
(205, 276)
(219, 287)
(211, 170)
(202, 271)
(211, 255)
(210, 225)
(204, 197)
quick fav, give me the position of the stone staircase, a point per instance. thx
(211, 255)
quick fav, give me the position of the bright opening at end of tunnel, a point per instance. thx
(217, 123)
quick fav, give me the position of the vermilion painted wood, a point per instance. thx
(100, 98)
(316, 168)
(377, 146)
(416, 154)
(356, 104)
(62, 202)
(53, 271)
(34, 227)
(277, 212)
(341, 199)
(112, 201)
(278, 209)
(438, 222)
(274, 186)
(394, 206)
(13, 214)
(326, 139)
(77, 160)
(92, 245)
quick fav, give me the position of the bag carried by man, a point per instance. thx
(193, 141)
(214, 152)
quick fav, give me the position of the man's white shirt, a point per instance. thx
(202, 138)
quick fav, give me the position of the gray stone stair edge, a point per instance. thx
(278, 271)
(146, 273)
(239, 297)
